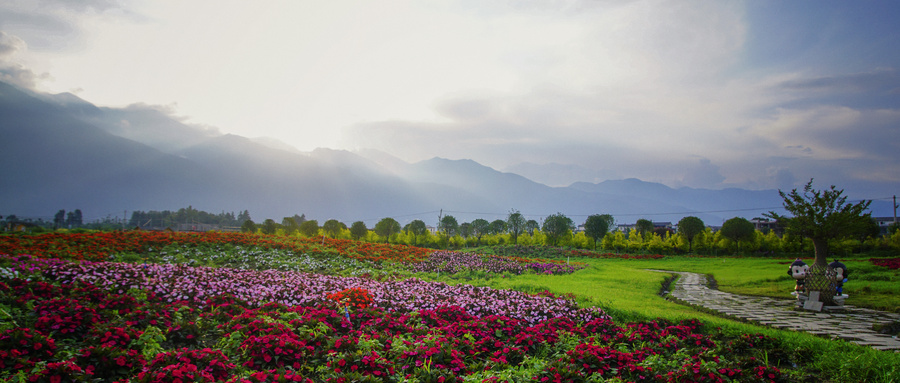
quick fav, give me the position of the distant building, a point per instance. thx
(764, 224)
(884, 223)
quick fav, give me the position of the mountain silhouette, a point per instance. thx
(61, 152)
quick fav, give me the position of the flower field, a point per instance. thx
(891, 263)
(454, 262)
(171, 318)
(551, 254)
(99, 246)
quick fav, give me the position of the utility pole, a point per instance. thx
(895, 209)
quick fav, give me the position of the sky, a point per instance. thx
(709, 94)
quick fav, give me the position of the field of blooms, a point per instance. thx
(454, 262)
(88, 321)
(178, 282)
(98, 246)
(891, 263)
(551, 254)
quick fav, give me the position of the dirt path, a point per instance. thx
(853, 324)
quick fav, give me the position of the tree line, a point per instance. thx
(822, 222)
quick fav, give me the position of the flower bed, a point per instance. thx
(891, 263)
(236, 342)
(174, 283)
(553, 255)
(100, 245)
(453, 262)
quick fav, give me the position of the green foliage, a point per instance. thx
(309, 228)
(738, 230)
(448, 225)
(643, 226)
(690, 227)
(596, 226)
(269, 226)
(333, 227)
(387, 227)
(480, 227)
(557, 226)
(822, 215)
(358, 230)
(150, 342)
(289, 225)
(248, 226)
(515, 223)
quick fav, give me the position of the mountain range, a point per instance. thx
(62, 152)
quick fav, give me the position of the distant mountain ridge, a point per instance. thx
(62, 152)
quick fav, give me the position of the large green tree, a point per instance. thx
(448, 225)
(248, 226)
(269, 226)
(465, 230)
(644, 226)
(822, 215)
(309, 228)
(596, 226)
(498, 226)
(333, 227)
(515, 223)
(531, 225)
(480, 227)
(358, 230)
(738, 230)
(689, 227)
(387, 227)
(417, 227)
(557, 226)
(290, 226)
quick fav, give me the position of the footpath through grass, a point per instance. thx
(629, 292)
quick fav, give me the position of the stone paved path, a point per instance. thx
(853, 324)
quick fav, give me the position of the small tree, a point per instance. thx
(358, 230)
(290, 226)
(248, 226)
(689, 227)
(480, 227)
(59, 220)
(644, 226)
(596, 226)
(531, 225)
(269, 226)
(557, 226)
(448, 225)
(738, 230)
(498, 226)
(465, 230)
(333, 227)
(309, 228)
(820, 216)
(515, 223)
(416, 228)
(387, 227)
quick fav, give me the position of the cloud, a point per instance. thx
(877, 80)
(703, 175)
(10, 71)
(9, 45)
(83, 5)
